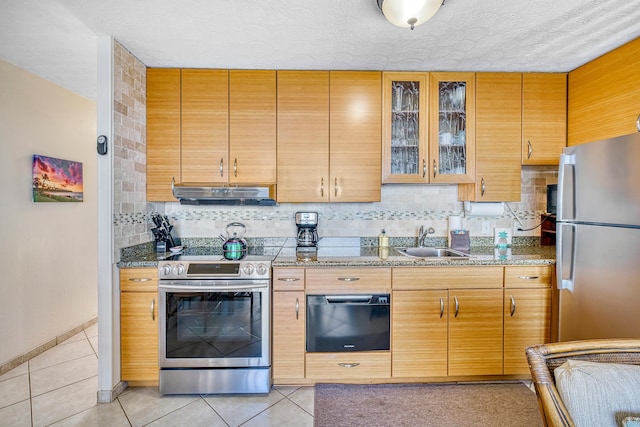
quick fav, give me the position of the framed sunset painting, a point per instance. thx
(56, 180)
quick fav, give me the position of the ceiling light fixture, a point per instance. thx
(409, 13)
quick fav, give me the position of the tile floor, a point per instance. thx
(59, 388)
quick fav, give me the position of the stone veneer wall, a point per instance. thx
(129, 117)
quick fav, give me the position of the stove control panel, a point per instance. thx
(214, 270)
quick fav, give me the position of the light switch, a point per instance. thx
(486, 228)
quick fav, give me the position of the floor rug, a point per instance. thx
(486, 405)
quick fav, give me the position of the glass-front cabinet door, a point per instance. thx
(404, 128)
(451, 127)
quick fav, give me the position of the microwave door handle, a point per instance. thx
(565, 197)
(565, 259)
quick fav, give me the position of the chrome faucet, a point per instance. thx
(422, 234)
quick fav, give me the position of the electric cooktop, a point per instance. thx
(261, 253)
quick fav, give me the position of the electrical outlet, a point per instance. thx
(486, 228)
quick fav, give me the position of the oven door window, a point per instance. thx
(219, 325)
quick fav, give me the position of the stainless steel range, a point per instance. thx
(214, 324)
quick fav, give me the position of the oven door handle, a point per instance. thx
(177, 286)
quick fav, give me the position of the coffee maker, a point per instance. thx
(307, 223)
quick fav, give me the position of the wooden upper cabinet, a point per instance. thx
(355, 136)
(451, 127)
(329, 136)
(303, 136)
(205, 126)
(603, 96)
(163, 132)
(544, 117)
(252, 126)
(498, 136)
(404, 127)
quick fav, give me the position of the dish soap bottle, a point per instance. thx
(383, 240)
(383, 245)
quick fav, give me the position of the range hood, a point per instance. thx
(224, 195)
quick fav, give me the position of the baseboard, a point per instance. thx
(108, 396)
(25, 357)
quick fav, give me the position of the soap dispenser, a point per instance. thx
(383, 239)
(383, 245)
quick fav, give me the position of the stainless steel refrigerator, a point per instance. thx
(598, 240)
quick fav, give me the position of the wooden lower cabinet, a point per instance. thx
(289, 316)
(348, 280)
(490, 315)
(288, 336)
(347, 366)
(445, 322)
(475, 332)
(527, 314)
(419, 333)
(139, 326)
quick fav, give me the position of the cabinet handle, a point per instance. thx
(153, 305)
(434, 168)
(424, 168)
(335, 187)
(288, 279)
(221, 168)
(348, 279)
(482, 187)
(322, 187)
(638, 123)
(235, 167)
(297, 308)
(139, 279)
(529, 150)
(441, 307)
(513, 306)
(528, 277)
(457, 306)
(348, 365)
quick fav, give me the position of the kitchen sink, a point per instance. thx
(425, 252)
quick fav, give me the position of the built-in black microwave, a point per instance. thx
(348, 322)
(552, 198)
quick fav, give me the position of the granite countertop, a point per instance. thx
(349, 252)
(375, 257)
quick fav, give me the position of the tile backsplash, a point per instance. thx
(401, 212)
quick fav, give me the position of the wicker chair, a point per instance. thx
(544, 359)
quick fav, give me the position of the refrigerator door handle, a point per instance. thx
(565, 257)
(566, 187)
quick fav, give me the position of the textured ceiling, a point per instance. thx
(56, 38)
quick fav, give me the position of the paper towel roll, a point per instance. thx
(483, 208)
(455, 222)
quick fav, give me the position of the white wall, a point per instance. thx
(48, 251)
